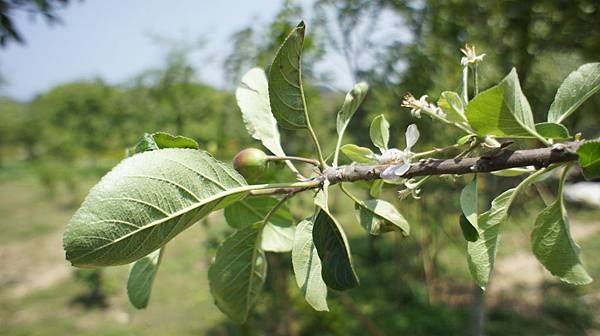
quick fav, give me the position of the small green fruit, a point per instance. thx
(251, 163)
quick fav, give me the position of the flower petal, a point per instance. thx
(401, 169)
(412, 135)
(389, 173)
(391, 155)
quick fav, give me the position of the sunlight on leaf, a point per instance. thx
(502, 111)
(574, 91)
(307, 267)
(359, 154)
(145, 201)
(252, 97)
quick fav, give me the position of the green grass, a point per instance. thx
(180, 302)
(392, 293)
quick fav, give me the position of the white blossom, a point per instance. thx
(471, 56)
(399, 160)
(420, 105)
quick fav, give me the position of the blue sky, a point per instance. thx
(111, 39)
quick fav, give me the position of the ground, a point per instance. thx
(38, 291)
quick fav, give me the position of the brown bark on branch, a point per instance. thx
(539, 157)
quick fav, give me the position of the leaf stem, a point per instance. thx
(531, 178)
(541, 138)
(475, 79)
(293, 158)
(322, 164)
(336, 154)
(434, 115)
(313, 135)
(434, 151)
(465, 81)
(561, 183)
(275, 208)
(349, 194)
(282, 188)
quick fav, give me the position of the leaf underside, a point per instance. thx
(278, 233)
(252, 96)
(141, 278)
(481, 253)
(237, 275)
(351, 103)
(307, 267)
(379, 131)
(144, 202)
(469, 202)
(378, 216)
(574, 90)
(554, 247)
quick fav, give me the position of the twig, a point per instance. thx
(539, 158)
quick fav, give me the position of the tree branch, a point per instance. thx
(539, 158)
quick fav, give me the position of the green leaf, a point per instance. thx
(359, 154)
(589, 158)
(166, 140)
(307, 267)
(502, 110)
(552, 131)
(141, 278)
(161, 140)
(467, 229)
(278, 233)
(464, 139)
(554, 247)
(451, 104)
(468, 203)
(378, 216)
(285, 82)
(574, 90)
(237, 275)
(380, 132)
(334, 252)
(351, 103)
(512, 172)
(252, 97)
(322, 197)
(481, 254)
(145, 201)
(278, 238)
(376, 188)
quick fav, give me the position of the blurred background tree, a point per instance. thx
(46, 8)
